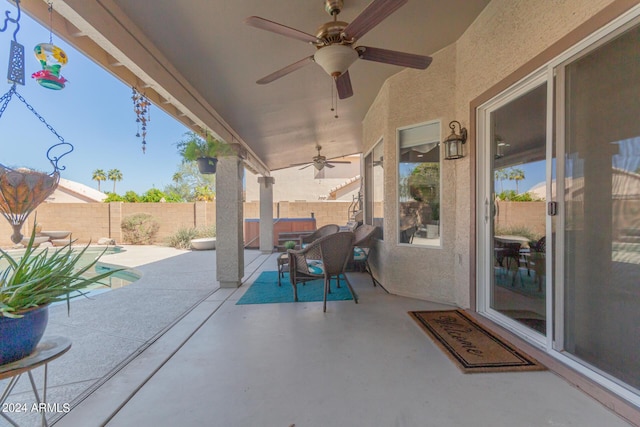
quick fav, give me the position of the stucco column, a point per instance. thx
(266, 213)
(229, 240)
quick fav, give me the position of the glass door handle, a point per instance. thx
(552, 208)
(486, 210)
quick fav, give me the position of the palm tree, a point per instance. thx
(99, 175)
(516, 175)
(500, 175)
(114, 175)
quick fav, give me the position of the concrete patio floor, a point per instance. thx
(214, 363)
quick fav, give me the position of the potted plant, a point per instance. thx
(29, 282)
(289, 244)
(203, 151)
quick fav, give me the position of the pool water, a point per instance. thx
(115, 281)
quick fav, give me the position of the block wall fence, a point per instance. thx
(89, 222)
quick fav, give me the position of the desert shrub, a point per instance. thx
(517, 231)
(139, 229)
(512, 196)
(181, 239)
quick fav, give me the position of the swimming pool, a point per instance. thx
(117, 280)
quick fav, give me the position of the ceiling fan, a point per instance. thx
(335, 42)
(320, 161)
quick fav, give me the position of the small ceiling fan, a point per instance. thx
(335, 42)
(320, 161)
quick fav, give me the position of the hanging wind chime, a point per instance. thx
(141, 107)
(22, 190)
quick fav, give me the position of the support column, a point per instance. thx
(229, 240)
(266, 213)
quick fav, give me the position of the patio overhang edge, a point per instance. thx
(163, 84)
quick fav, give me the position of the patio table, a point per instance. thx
(49, 349)
(283, 265)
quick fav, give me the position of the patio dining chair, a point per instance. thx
(324, 258)
(325, 230)
(364, 239)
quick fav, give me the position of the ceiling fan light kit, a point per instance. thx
(335, 59)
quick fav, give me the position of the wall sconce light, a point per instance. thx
(500, 147)
(454, 142)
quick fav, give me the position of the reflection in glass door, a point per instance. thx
(517, 233)
(601, 230)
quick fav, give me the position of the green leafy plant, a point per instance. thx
(139, 229)
(181, 239)
(131, 197)
(40, 277)
(435, 211)
(289, 244)
(194, 147)
(512, 196)
(517, 231)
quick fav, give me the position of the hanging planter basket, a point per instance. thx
(207, 165)
(21, 191)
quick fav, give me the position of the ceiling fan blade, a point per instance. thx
(339, 161)
(304, 167)
(329, 165)
(286, 70)
(394, 57)
(274, 27)
(374, 14)
(343, 84)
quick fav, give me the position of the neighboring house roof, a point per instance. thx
(294, 184)
(347, 186)
(624, 185)
(75, 192)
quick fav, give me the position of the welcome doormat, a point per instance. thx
(265, 290)
(470, 346)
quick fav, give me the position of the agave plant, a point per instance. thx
(39, 277)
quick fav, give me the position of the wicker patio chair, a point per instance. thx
(325, 230)
(364, 239)
(326, 257)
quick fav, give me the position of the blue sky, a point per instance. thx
(94, 112)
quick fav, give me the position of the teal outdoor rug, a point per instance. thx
(265, 290)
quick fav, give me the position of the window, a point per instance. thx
(419, 184)
(374, 186)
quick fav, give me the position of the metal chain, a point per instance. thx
(50, 23)
(21, 98)
(7, 98)
(53, 159)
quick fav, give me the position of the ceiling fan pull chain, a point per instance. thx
(332, 107)
(335, 97)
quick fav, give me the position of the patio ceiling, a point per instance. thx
(203, 61)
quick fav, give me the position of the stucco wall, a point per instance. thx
(505, 37)
(294, 184)
(409, 98)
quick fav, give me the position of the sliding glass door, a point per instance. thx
(600, 316)
(515, 249)
(559, 237)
